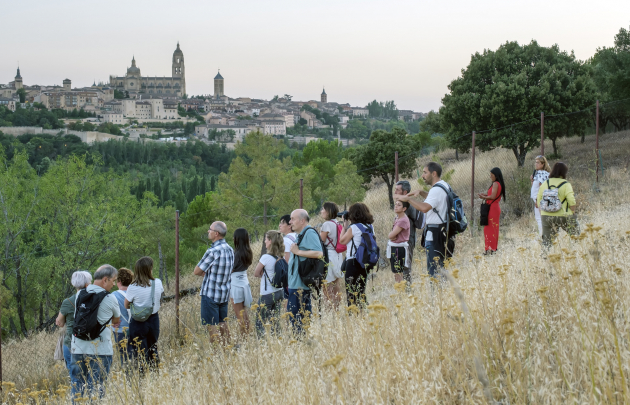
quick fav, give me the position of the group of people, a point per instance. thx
(132, 311)
(133, 308)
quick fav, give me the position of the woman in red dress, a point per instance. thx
(493, 197)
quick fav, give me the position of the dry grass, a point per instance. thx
(517, 327)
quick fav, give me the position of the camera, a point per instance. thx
(343, 214)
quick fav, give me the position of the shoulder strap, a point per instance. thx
(152, 295)
(265, 270)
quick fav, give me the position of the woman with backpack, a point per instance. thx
(271, 297)
(240, 291)
(540, 175)
(143, 298)
(557, 204)
(492, 198)
(358, 221)
(329, 234)
(79, 280)
(398, 244)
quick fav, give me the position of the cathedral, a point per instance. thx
(136, 84)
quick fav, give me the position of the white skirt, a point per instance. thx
(334, 267)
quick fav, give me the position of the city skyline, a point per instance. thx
(405, 51)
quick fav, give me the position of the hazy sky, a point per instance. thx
(407, 51)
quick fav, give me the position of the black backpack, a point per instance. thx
(313, 271)
(281, 275)
(457, 221)
(86, 325)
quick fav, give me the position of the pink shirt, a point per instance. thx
(403, 223)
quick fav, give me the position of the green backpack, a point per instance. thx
(141, 314)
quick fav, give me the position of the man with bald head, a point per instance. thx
(308, 245)
(216, 267)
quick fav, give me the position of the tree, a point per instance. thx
(259, 184)
(376, 158)
(21, 92)
(347, 185)
(612, 76)
(507, 89)
(288, 97)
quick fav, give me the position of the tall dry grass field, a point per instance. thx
(518, 327)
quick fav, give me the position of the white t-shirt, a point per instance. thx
(101, 346)
(356, 238)
(289, 240)
(265, 284)
(438, 200)
(141, 296)
(331, 240)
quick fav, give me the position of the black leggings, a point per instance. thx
(356, 278)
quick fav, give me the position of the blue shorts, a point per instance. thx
(212, 313)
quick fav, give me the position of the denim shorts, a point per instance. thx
(212, 313)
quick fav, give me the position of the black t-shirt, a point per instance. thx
(238, 265)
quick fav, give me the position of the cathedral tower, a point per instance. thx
(18, 80)
(218, 86)
(324, 96)
(178, 67)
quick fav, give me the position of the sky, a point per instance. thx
(360, 50)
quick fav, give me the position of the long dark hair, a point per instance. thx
(499, 176)
(242, 250)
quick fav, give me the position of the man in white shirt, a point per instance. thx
(289, 236)
(92, 359)
(435, 206)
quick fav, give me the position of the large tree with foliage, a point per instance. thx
(259, 185)
(346, 187)
(501, 89)
(611, 68)
(376, 158)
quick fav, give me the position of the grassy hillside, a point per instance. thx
(517, 327)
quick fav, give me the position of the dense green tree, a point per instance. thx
(376, 158)
(21, 94)
(346, 187)
(503, 88)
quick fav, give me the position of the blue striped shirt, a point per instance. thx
(217, 263)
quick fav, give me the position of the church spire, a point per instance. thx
(18, 76)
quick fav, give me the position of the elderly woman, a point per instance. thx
(79, 280)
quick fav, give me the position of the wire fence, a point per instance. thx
(593, 143)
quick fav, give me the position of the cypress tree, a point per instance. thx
(202, 186)
(166, 192)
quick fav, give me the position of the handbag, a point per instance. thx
(59, 347)
(484, 213)
(141, 314)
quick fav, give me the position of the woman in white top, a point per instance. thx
(328, 235)
(270, 297)
(356, 276)
(541, 174)
(140, 294)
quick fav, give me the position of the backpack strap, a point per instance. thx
(447, 203)
(265, 271)
(330, 240)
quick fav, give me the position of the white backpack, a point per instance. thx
(550, 201)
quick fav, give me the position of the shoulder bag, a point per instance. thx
(141, 314)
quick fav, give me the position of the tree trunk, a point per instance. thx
(456, 154)
(12, 326)
(390, 187)
(555, 147)
(520, 152)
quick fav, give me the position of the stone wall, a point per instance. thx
(87, 137)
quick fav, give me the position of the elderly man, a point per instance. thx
(416, 219)
(91, 347)
(216, 267)
(308, 245)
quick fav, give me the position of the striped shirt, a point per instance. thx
(217, 263)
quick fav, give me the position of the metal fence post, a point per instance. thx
(597, 140)
(177, 273)
(542, 133)
(472, 189)
(301, 193)
(396, 164)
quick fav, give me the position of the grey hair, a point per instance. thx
(106, 270)
(221, 228)
(404, 184)
(303, 214)
(80, 279)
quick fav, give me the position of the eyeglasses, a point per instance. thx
(211, 230)
(540, 157)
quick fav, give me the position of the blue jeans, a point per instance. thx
(434, 252)
(213, 313)
(67, 356)
(89, 371)
(299, 306)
